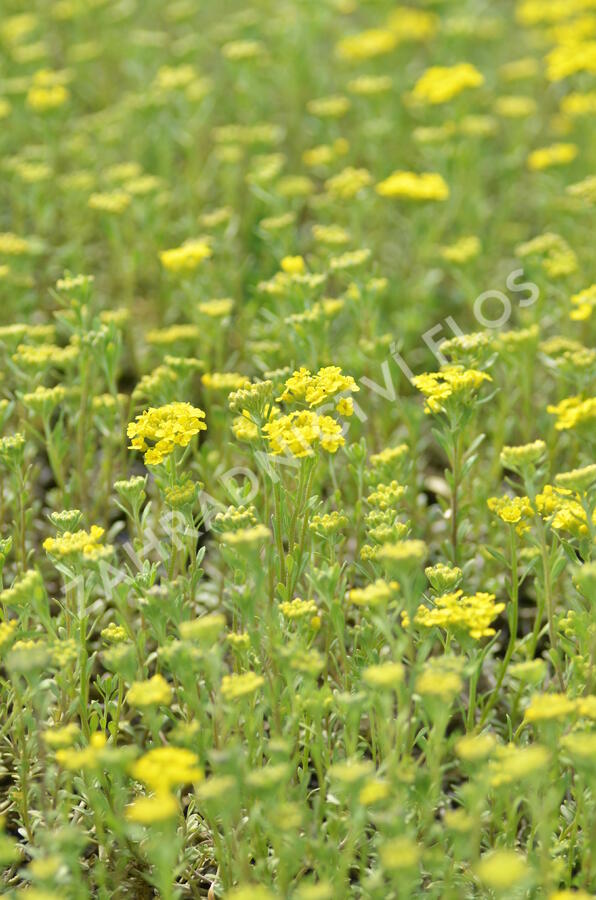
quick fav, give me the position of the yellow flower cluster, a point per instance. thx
(558, 258)
(377, 593)
(161, 337)
(301, 432)
(165, 427)
(154, 691)
(325, 154)
(545, 707)
(298, 608)
(555, 155)
(410, 185)
(570, 57)
(84, 543)
(442, 577)
(159, 807)
(328, 523)
(584, 303)
(224, 381)
(346, 184)
(579, 480)
(389, 455)
(316, 389)
(513, 763)
(440, 678)
(451, 381)
(246, 536)
(516, 511)
(164, 768)
(366, 44)
(384, 675)
(573, 412)
(43, 98)
(441, 83)
(461, 251)
(473, 614)
(411, 24)
(385, 496)
(235, 686)
(522, 455)
(216, 308)
(187, 257)
(40, 356)
(115, 202)
(562, 508)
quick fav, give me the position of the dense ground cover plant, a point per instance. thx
(297, 431)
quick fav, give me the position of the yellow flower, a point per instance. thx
(545, 707)
(472, 614)
(347, 184)
(375, 594)
(440, 681)
(522, 455)
(45, 355)
(224, 381)
(61, 737)
(154, 691)
(384, 675)
(333, 107)
(324, 154)
(94, 755)
(427, 186)
(242, 50)
(441, 83)
(461, 251)
(85, 543)
(582, 746)
(555, 155)
(386, 496)
(159, 807)
(516, 511)
(513, 763)
(515, 107)
(217, 308)
(187, 257)
(164, 768)
(293, 265)
(111, 202)
(297, 608)
(165, 427)
(409, 24)
(161, 337)
(475, 747)
(389, 455)
(373, 791)
(573, 412)
(366, 44)
(333, 235)
(235, 686)
(43, 98)
(400, 853)
(451, 381)
(299, 433)
(579, 104)
(578, 479)
(502, 869)
(568, 58)
(317, 389)
(246, 536)
(13, 245)
(585, 303)
(370, 85)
